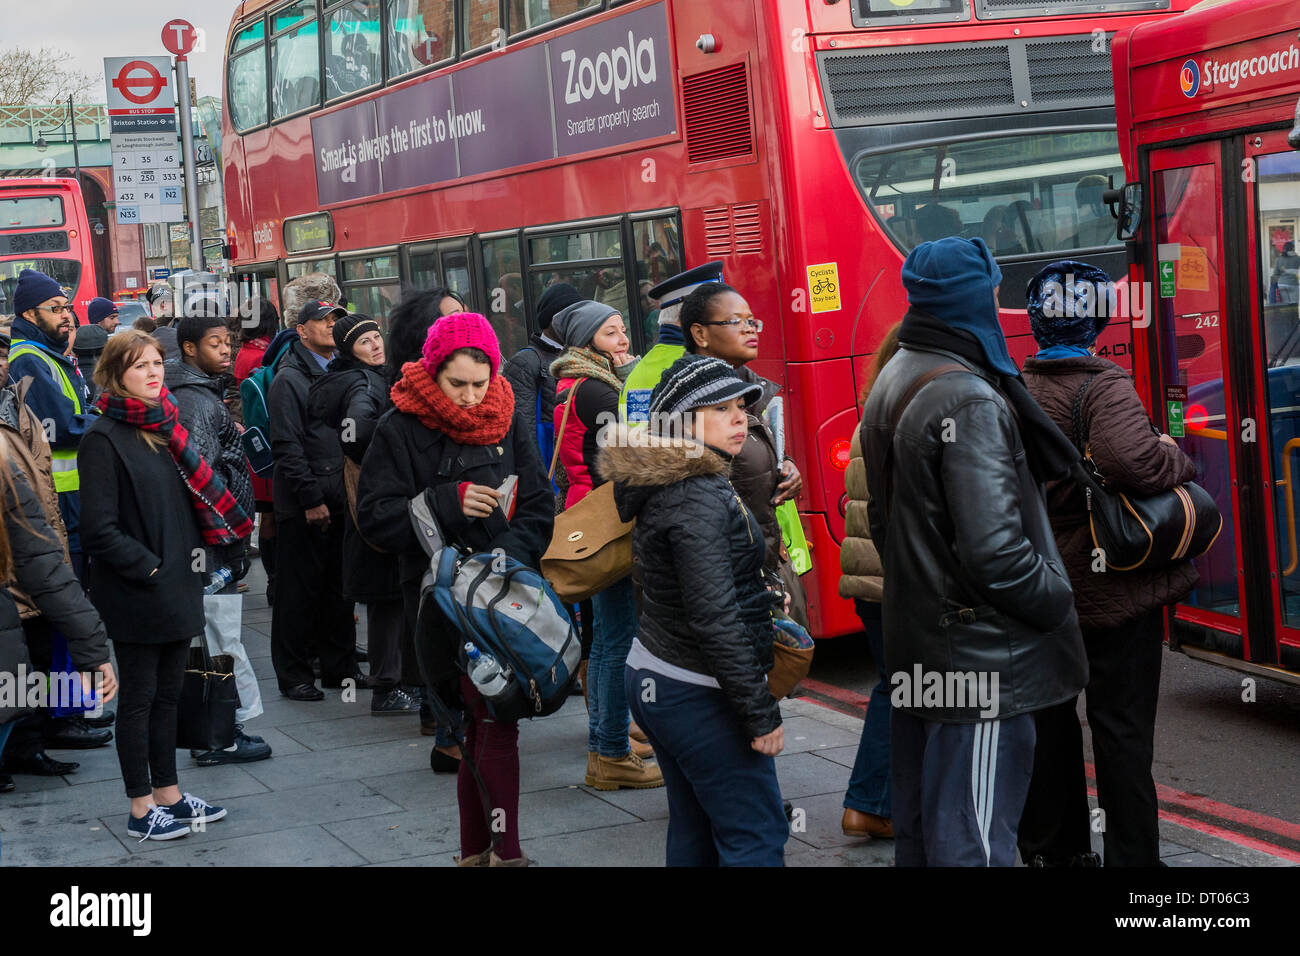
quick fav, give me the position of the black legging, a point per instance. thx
(150, 678)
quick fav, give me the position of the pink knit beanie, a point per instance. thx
(460, 330)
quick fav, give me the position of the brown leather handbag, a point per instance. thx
(591, 546)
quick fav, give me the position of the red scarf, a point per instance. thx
(418, 394)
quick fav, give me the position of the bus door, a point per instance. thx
(1272, 283)
(1193, 357)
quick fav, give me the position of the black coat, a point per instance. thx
(137, 515)
(704, 603)
(405, 459)
(213, 433)
(966, 529)
(351, 397)
(529, 374)
(308, 454)
(41, 571)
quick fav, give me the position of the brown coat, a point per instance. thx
(1132, 458)
(861, 573)
(22, 440)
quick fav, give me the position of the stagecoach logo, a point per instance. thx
(1205, 76)
(612, 71)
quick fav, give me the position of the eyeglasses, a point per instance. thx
(755, 324)
(56, 309)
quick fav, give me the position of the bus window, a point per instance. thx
(1036, 193)
(351, 47)
(295, 65)
(658, 256)
(480, 23)
(503, 291)
(526, 14)
(455, 271)
(31, 212)
(247, 88)
(420, 33)
(371, 286)
(591, 261)
(326, 266)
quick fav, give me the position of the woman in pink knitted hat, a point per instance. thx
(452, 434)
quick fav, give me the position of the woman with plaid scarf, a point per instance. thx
(149, 505)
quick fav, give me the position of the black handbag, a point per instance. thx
(1142, 533)
(206, 712)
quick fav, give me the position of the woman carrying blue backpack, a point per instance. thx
(453, 438)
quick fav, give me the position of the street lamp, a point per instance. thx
(71, 120)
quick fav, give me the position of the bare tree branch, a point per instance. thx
(41, 76)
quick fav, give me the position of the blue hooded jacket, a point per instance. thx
(953, 280)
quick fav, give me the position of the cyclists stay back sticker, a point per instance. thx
(824, 287)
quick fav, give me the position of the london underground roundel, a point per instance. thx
(1189, 78)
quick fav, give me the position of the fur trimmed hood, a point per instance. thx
(640, 464)
(634, 457)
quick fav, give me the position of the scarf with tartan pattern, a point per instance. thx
(221, 520)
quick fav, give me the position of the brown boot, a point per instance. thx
(642, 750)
(582, 676)
(855, 823)
(637, 734)
(521, 860)
(477, 859)
(629, 771)
(590, 779)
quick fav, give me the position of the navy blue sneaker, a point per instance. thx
(190, 810)
(157, 824)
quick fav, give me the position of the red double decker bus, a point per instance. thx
(43, 226)
(1209, 124)
(495, 146)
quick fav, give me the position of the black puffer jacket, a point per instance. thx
(40, 569)
(973, 578)
(704, 605)
(351, 397)
(308, 453)
(213, 433)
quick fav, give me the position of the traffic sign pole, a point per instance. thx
(187, 156)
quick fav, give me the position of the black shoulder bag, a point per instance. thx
(1142, 533)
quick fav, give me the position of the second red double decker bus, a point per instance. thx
(494, 146)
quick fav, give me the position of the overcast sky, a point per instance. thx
(90, 30)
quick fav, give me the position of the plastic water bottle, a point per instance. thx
(219, 580)
(484, 672)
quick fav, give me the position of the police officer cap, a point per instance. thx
(674, 290)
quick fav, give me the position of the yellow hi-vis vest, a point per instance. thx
(66, 477)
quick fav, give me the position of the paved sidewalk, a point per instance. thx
(344, 788)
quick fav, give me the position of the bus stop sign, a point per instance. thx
(179, 37)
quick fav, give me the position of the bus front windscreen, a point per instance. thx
(1029, 194)
(66, 272)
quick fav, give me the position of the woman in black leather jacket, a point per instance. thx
(696, 675)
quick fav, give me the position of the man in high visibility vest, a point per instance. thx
(57, 396)
(634, 400)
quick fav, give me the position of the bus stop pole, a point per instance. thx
(187, 157)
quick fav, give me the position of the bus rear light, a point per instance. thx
(72, 234)
(844, 505)
(840, 454)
